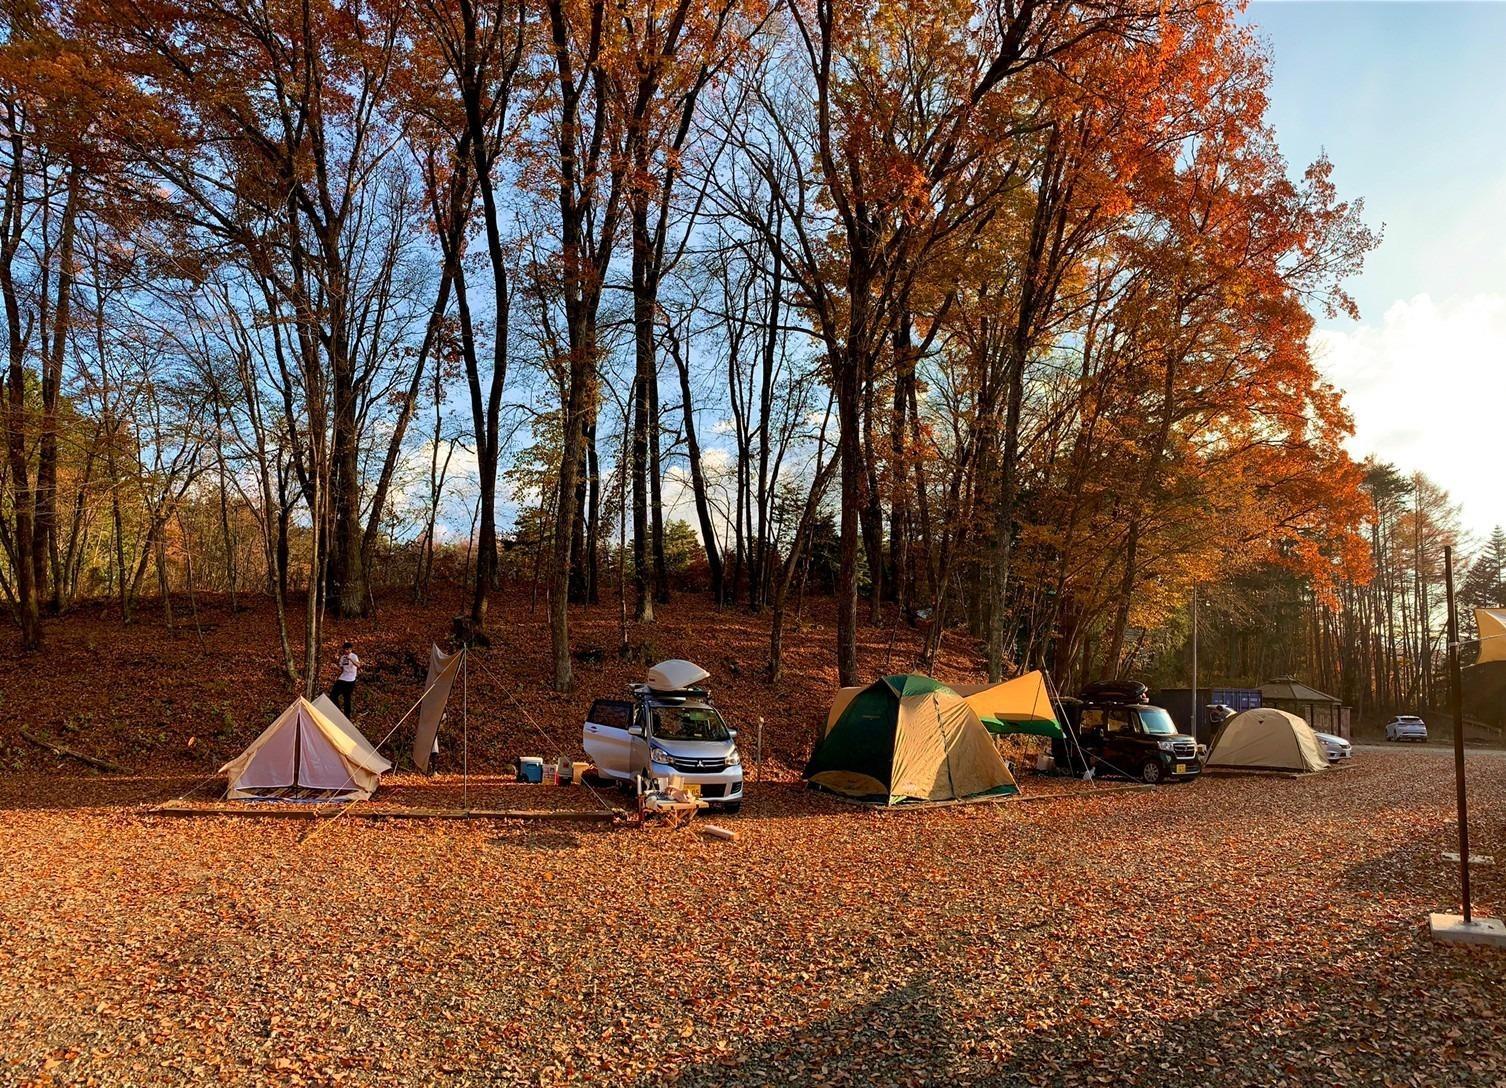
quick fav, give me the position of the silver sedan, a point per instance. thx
(1335, 748)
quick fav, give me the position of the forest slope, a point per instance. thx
(148, 699)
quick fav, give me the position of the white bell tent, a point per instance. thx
(311, 752)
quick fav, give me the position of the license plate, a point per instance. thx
(1181, 768)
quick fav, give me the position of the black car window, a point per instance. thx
(1119, 722)
(613, 713)
(688, 723)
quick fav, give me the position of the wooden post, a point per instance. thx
(1456, 707)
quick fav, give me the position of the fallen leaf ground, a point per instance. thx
(1230, 931)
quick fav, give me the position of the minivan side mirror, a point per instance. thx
(732, 734)
(635, 731)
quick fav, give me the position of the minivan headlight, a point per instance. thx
(735, 758)
(1167, 745)
(660, 756)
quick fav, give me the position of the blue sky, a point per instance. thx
(1409, 100)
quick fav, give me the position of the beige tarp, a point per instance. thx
(1492, 625)
(442, 670)
(1267, 739)
(305, 749)
(1023, 699)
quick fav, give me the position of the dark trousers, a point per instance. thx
(341, 693)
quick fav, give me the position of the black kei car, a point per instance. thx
(1138, 742)
(1119, 734)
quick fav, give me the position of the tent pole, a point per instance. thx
(1456, 708)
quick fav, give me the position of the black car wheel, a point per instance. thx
(1152, 773)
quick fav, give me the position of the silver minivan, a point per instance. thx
(661, 733)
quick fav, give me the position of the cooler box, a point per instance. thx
(530, 769)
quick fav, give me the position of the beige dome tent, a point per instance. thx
(1266, 739)
(312, 752)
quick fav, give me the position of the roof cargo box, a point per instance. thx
(676, 675)
(1130, 692)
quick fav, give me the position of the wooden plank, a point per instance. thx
(1082, 795)
(1257, 772)
(585, 815)
(287, 812)
(275, 812)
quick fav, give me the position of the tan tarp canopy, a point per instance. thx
(1018, 702)
(1492, 625)
(442, 670)
(1267, 739)
(305, 749)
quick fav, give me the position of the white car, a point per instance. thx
(659, 734)
(1406, 727)
(1335, 748)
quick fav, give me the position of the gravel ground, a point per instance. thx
(1230, 931)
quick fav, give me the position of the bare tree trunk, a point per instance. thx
(45, 547)
(656, 495)
(698, 478)
(643, 377)
(23, 496)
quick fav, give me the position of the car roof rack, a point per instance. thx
(658, 695)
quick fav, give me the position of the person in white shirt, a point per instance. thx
(344, 688)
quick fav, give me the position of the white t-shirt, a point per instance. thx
(349, 663)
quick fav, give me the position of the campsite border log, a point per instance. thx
(523, 814)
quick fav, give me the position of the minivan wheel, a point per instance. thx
(1151, 773)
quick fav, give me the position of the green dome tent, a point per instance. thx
(908, 738)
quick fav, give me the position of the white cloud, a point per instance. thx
(1427, 387)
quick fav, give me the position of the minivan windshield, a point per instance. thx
(689, 723)
(1157, 722)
